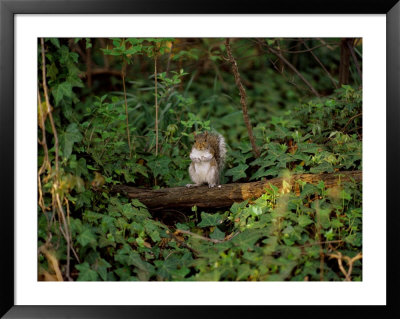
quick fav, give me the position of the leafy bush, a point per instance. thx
(105, 135)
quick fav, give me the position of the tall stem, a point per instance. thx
(126, 110)
(155, 90)
(242, 93)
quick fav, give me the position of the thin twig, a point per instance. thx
(308, 49)
(56, 177)
(321, 250)
(66, 233)
(45, 163)
(70, 234)
(326, 44)
(321, 242)
(321, 64)
(155, 90)
(352, 118)
(215, 241)
(126, 109)
(351, 48)
(291, 66)
(181, 242)
(242, 93)
(46, 94)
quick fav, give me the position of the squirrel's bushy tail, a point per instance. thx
(222, 151)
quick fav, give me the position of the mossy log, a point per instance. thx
(227, 194)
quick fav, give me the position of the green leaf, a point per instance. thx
(88, 43)
(86, 237)
(129, 257)
(85, 273)
(304, 220)
(239, 157)
(80, 168)
(52, 71)
(101, 267)
(70, 136)
(247, 239)
(311, 148)
(135, 202)
(62, 90)
(324, 217)
(55, 42)
(159, 165)
(237, 207)
(345, 195)
(217, 234)
(260, 173)
(237, 172)
(133, 50)
(324, 167)
(210, 220)
(173, 268)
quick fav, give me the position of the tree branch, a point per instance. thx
(183, 197)
(242, 93)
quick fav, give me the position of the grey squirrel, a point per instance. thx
(208, 158)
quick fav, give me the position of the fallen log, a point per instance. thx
(227, 194)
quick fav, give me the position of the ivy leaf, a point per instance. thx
(239, 157)
(52, 71)
(55, 42)
(61, 90)
(101, 268)
(324, 167)
(135, 202)
(70, 136)
(304, 220)
(137, 168)
(129, 257)
(324, 217)
(124, 274)
(247, 239)
(159, 165)
(86, 237)
(245, 147)
(260, 173)
(173, 267)
(311, 148)
(217, 234)
(133, 50)
(80, 168)
(85, 273)
(237, 172)
(309, 189)
(237, 207)
(209, 220)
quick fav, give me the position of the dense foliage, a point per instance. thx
(99, 128)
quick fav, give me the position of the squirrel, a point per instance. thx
(208, 159)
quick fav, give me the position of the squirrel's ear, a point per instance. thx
(194, 133)
(205, 133)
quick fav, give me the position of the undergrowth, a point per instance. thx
(312, 234)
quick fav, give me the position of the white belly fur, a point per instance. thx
(202, 170)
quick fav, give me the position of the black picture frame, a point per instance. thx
(9, 8)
